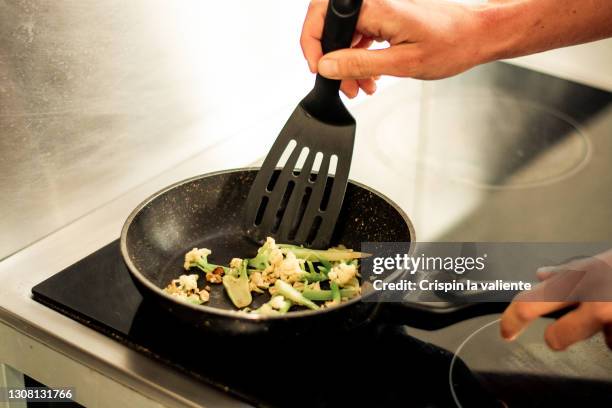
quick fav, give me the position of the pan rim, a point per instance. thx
(135, 272)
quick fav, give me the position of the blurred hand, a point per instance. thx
(428, 39)
(586, 283)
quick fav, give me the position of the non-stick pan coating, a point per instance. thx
(206, 211)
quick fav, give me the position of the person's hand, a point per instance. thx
(428, 39)
(586, 283)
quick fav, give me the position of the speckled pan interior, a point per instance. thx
(206, 212)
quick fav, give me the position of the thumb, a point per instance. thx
(354, 63)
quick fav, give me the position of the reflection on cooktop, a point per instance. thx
(499, 153)
(489, 141)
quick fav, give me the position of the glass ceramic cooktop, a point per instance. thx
(497, 154)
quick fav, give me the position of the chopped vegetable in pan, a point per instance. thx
(293, 276)
(186, 288)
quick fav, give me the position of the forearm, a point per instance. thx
(434, 39)
(513, 28)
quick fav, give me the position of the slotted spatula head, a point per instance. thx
(301, 205)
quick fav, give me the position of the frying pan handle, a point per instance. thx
(339, 27)
(429, 317)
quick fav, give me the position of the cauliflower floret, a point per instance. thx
(270, 277)
(276, 255)
(186, 288)
(342, 273)
(194, 298)
(194, 255)
(180, 295)
(257, 279)
(273, 290)
(277, 302)
(235, 266)
(265, 310)
(191, 298)
(172, 287)
(289, 269)
(272, 307)
(188, 282)
(257, 283)
(268, 257)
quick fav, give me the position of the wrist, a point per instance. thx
(497, 31)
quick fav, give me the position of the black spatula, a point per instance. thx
(301, 205)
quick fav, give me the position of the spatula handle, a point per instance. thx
(340, 23)
(324, 102)
(338, 30)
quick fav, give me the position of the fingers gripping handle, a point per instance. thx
(324, 101)
(340, 23)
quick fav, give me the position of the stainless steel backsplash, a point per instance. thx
(99, 96)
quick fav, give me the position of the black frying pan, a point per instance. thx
(206, 211)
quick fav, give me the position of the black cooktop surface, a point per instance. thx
(376, 365)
